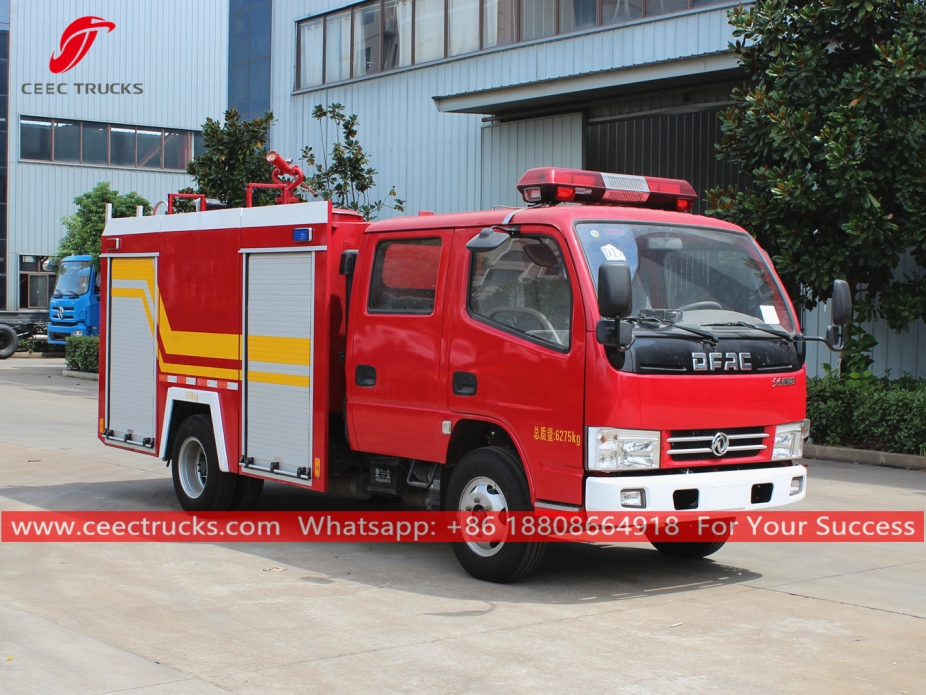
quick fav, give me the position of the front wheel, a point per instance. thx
(490, 480)
(200, 484)
(688, 551)
(9, 341)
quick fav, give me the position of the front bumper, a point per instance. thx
(717, 490)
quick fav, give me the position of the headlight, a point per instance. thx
(789, 440)
(611, 449)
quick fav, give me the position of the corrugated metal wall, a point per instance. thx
(895, 354)
(510, 149)
(434, 159)
(178, 51)
(674, 145)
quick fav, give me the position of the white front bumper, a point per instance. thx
(717, 491)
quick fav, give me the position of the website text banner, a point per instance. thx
(450, 527)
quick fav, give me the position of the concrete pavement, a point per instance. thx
(354, 618)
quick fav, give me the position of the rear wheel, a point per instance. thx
(247, 493)
(200, 484)
(490, 480)
(688, 551)
(9, 341)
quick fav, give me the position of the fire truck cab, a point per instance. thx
(600, 350)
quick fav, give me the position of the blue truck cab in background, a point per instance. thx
(75, 305)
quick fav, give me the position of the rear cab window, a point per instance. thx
(405, 273)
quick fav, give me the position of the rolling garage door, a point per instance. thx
(131, 373)
(278, 363)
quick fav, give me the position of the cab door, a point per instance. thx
(517, 352)
(396, 399)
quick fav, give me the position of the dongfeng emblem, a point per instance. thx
(720, 444)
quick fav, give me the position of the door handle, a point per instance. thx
(365, 375)
(464, 384)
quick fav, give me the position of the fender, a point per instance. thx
(209, 398)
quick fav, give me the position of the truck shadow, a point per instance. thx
(571, 573)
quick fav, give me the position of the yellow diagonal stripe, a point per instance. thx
(135, 293)
(296, 351)
(135, 269)
(219, 345)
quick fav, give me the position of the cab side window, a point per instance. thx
(405, 276)
(523, 287)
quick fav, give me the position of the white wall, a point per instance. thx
(176, 49)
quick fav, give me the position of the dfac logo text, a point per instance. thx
(75, 42)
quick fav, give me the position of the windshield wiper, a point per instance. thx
(642, 320)
(744, 324)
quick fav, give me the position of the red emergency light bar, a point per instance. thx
(553, 185)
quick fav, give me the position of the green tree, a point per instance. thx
(235, 155)
(347, 178)
(832, 132)
(85, 227)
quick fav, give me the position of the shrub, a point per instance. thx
(882, 414)
(31, 345)
(82, 354)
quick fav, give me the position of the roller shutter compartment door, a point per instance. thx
(278, 362)
(132, 375)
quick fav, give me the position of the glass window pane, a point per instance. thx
(259, 87)
(38, 291)
(176, 149)
(664, 6)
(337, 47)
(260, 30)
(429, 30)
(311, 53)
(95, 140)
(122, 147)
(366, 39)
(524, 287)
(238, 37)
(238, 87)
(405, 276)
(67, 141)
(537, 19)
(397, 33)
(464, 26)
(35, 139)
(498, 27)
(618, 11)
(149, 149)
(199, 144)
(577, 14)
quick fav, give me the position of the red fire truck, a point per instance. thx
(602, 349)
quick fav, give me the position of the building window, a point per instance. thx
(249, 40)
(386, 34)
(35, 283)
(77, 142)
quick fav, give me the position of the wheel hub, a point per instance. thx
(192, 467)
(481, 495)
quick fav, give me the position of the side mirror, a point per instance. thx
(615, 297)
(842, 303)
(615, 332)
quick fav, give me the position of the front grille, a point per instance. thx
(695, 445)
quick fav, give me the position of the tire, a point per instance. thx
(9, 341)
(247, 493)
(199, 483)
(496, 473)
(688, 551)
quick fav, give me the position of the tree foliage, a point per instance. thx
(833, 133)
(347, 178)
(235, 155)
(85, 227)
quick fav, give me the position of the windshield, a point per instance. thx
(73, 278)
(687, 275)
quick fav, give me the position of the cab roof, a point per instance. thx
(562, 216)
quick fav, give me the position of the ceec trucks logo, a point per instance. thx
(76, 41)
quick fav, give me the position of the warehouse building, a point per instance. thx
(97, 91)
